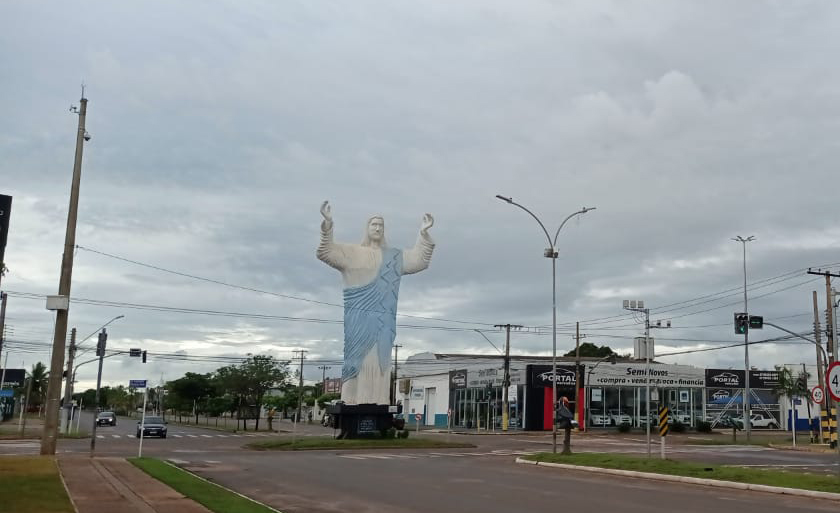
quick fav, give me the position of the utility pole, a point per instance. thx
(68, 384)
(831, 338)
(3, 298)
(506, 379)
(100, 352)
(324, 378)
(49, 436)
(578, 401)
(394, 381)
(818, 338)
(300, 384)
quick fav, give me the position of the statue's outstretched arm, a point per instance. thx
(418, 258)
(332, 254)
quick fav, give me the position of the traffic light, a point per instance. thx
(756, 322)
(144, 356)
(741, 323)
(100, 345)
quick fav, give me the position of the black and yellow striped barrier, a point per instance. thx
(829, 425)
(663, 421)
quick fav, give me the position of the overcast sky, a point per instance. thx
(219, 128)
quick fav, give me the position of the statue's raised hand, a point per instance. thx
(326, 211)
(428, 222)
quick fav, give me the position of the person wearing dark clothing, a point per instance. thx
(564, 422)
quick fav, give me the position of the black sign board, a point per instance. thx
(541, 375)
(5, 212)
(764, 379)
(724, 378)
(13, 378)
(457, 379)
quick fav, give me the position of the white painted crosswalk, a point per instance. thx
(190, 435)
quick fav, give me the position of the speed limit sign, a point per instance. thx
(817, 395)
(833, 379)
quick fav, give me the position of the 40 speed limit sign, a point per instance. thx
(833, 379)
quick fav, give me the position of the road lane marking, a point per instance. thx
(177, 436)
(100, 436)
(192, 436)
(207, 436)
(116, 436)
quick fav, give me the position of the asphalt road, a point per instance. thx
(460, 480)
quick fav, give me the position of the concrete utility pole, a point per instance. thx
(324, 378)
(3, 299)
(300, 384)
(506, 379)
(49, 436)
(68, 384)
(818, 338)
(394, 381)
(100, 352)
(578, 402)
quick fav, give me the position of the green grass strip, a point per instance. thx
(211, 496)
(793, 479)
(32, 485)
(314, 444)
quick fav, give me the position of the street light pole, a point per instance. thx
(746, 408)
(551, 252)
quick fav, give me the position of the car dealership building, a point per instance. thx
(465, 392)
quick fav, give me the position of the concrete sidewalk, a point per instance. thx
(113, 484)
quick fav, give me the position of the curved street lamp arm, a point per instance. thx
(573, 214)
(510, 200)
(825, 355)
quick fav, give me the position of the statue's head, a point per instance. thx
(375, 232)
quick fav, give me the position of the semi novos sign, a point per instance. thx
(5, 212)
(724, 378)
(541, 375)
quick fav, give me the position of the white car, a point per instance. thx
(618, 417)
(763, 422)
(682, 418)
(599, 419)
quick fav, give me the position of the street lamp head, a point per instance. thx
(508, 200)
(587, 209)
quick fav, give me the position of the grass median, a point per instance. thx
(211, 496)
(32, 485)
(315, 444)
(822, 483)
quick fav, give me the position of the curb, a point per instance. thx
(691, 480)
(220, 486)
(64, 484)
(806, 448)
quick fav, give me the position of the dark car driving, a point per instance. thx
(153, 426)
(107, 418)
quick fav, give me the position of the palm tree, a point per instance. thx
(792, 387)
(40, 377)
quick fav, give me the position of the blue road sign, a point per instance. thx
(137, 383)
(7, 393)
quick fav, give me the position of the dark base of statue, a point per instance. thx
(363, 420)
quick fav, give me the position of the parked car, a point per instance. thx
(107, 418)
(618, 417)
(682, 418)
(153, 426)
(727, 421)
(599, 419)
(761, 421)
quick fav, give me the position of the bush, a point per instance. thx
(389, 433)
(678, 427)
(403, 434)
(624, 428)
(704, 427)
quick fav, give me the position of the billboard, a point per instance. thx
(724, 378)
(13, 378)
(541, 376)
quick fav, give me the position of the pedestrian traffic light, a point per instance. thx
(144, 356)
(756, 322)
(741, 323)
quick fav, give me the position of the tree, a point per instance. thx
(190, 390)
(260, 374)
(791, 386)
(326, 398)
(40, 378)
(590, 350)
